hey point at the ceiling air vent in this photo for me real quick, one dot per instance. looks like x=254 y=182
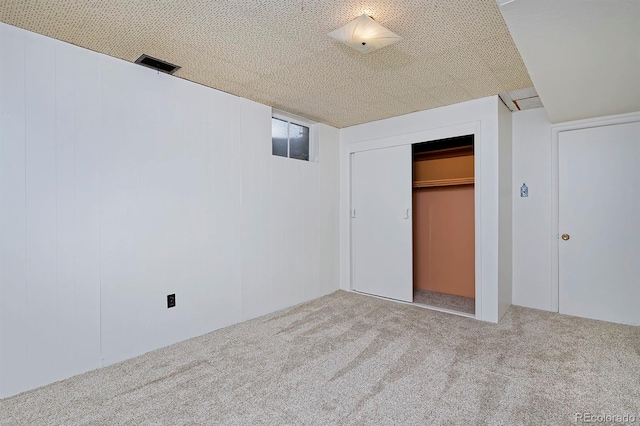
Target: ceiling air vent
x=521 y=99
x=157 y=64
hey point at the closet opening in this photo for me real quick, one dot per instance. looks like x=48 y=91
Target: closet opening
x=444 y=224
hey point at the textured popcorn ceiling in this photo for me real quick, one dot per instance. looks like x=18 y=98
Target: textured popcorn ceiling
x=277 y=52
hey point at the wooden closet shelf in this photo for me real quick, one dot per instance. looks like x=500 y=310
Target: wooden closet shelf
x=442 y=182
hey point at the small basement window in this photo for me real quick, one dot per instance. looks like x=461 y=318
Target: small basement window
x=289 y=139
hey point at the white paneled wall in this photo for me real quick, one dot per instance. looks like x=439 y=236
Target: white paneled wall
x=532 y=215
x=118 y=186
x=505 y=201
x=13 y=218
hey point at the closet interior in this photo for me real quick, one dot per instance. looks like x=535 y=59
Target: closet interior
x=444 y=224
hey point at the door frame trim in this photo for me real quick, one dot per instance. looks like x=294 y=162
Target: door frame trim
x=470 y=128
x=556 y=129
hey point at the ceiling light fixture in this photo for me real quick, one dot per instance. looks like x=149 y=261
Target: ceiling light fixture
x=365 y=35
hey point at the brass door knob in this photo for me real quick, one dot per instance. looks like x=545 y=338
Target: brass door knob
x=565 y=237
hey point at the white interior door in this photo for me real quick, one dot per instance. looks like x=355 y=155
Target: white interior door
x=599 y=207
x=381 y=222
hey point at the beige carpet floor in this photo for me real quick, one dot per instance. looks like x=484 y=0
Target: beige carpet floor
x=447 y=301
x=353 y=359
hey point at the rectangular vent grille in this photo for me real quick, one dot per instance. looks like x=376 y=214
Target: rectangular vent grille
x=157 y=64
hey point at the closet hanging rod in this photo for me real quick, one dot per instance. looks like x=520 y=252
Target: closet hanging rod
x=443 y=182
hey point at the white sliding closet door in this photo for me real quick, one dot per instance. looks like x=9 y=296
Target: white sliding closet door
x=381 y=222
x=599 y=195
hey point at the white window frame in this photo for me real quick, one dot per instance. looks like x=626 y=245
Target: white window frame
x=313 y=130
